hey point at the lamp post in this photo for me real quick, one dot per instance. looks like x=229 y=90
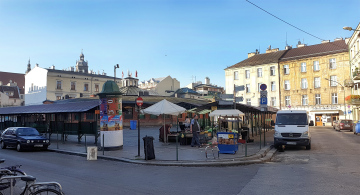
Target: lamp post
x=344 y=93
x=115 y=67
x=349 y=28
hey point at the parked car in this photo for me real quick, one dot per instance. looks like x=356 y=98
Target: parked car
x=23 y=138
x=335 y=123
x=344 y=125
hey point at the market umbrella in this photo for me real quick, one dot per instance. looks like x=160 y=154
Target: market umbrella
x=164 y=107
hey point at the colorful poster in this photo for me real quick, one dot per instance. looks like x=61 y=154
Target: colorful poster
x=111 y=114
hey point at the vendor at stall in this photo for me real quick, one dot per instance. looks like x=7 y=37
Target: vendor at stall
x=161 y=131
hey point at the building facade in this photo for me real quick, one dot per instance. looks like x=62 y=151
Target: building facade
x=354 y=53
x=314 y=78
x=50 y=84
x=164 y=86
x=250 y=73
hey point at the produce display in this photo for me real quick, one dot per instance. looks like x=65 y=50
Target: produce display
x=227 y=141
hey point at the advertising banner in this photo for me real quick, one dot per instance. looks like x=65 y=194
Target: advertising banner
x=111 y=118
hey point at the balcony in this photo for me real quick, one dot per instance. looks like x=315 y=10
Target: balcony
x=353 y=99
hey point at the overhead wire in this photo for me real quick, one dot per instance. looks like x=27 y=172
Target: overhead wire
x=286 y=22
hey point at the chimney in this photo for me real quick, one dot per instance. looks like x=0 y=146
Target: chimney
x=269 y=50
x=288 y=47
x=253 y=53
x=207 y=81
x=300 y=45
x=338 y=39
x=325 y=41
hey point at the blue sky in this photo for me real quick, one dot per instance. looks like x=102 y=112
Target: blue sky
x=181 y=38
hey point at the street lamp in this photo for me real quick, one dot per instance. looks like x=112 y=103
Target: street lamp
x=344 y=92
x=115 y=67
x=349 y=28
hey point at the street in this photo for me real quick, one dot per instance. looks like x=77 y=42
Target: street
x=330 y=167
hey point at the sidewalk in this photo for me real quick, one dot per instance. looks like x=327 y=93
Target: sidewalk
x=165 y=154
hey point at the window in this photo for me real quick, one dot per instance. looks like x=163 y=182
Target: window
x=303 y=67
x=259 y=72
x=286 y=69
x=236 y=75
x=153 y=116
x=316 y=66
x=317 y=99
x=248 y=101
x=273 y=101
x=273 y=86
x=86 y=87
x=304 y=84
x=304 y=99
x=333 y=81
x=332 y=64
x=58 y=97
x=72 y=85
x=58 y=84
x=247 y=88
x=247 y=74
x=316 y=82
x=128 y=113
x=334 y=98
x=259 y=87
x=96 y=87
x=287 y=85
x=287 y=100
x=141 y=116
x=272 y=71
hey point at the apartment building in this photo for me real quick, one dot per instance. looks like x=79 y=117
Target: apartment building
x=257 y=69
x=314 y=78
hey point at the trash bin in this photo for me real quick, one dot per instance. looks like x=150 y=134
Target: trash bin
x=149 y=147
x=133 y=124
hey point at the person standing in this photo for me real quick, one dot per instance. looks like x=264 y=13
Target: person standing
x=195 y=129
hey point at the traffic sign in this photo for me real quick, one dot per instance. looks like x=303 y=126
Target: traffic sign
x=263 y=101
x=263 y=94
x=139 y=101
x=263 y=87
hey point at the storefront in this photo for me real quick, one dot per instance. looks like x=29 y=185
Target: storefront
x=324 y=117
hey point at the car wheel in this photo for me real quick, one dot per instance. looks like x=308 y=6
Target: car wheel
x=18 y=147
x=3 y=146
x=308 y=147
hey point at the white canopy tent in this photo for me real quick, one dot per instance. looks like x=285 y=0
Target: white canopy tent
x=164 y=107
x=228 y=113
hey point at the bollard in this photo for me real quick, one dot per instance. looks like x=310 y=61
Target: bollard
x=57 y=139
x=85 y=144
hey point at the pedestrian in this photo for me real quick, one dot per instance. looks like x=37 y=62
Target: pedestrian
x=195 y=129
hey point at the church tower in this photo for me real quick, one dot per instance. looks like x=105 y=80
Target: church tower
x=28 y=67
x=81 y=65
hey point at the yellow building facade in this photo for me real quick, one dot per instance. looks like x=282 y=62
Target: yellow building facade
x=314 y=78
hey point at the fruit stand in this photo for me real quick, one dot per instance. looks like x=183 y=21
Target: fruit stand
x=227 y=142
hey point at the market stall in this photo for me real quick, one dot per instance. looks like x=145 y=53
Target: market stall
x=227 y=140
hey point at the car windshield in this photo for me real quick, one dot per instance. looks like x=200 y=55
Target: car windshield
x=27 y=132
x=291 y=119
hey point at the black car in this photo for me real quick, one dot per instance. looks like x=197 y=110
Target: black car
x=23 y=138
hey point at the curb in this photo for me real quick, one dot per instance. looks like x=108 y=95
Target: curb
x=264 y=155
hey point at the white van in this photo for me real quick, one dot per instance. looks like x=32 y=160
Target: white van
x=292 y=128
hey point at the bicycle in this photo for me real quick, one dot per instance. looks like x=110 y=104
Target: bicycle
x=31 y=188
x=15 y=168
